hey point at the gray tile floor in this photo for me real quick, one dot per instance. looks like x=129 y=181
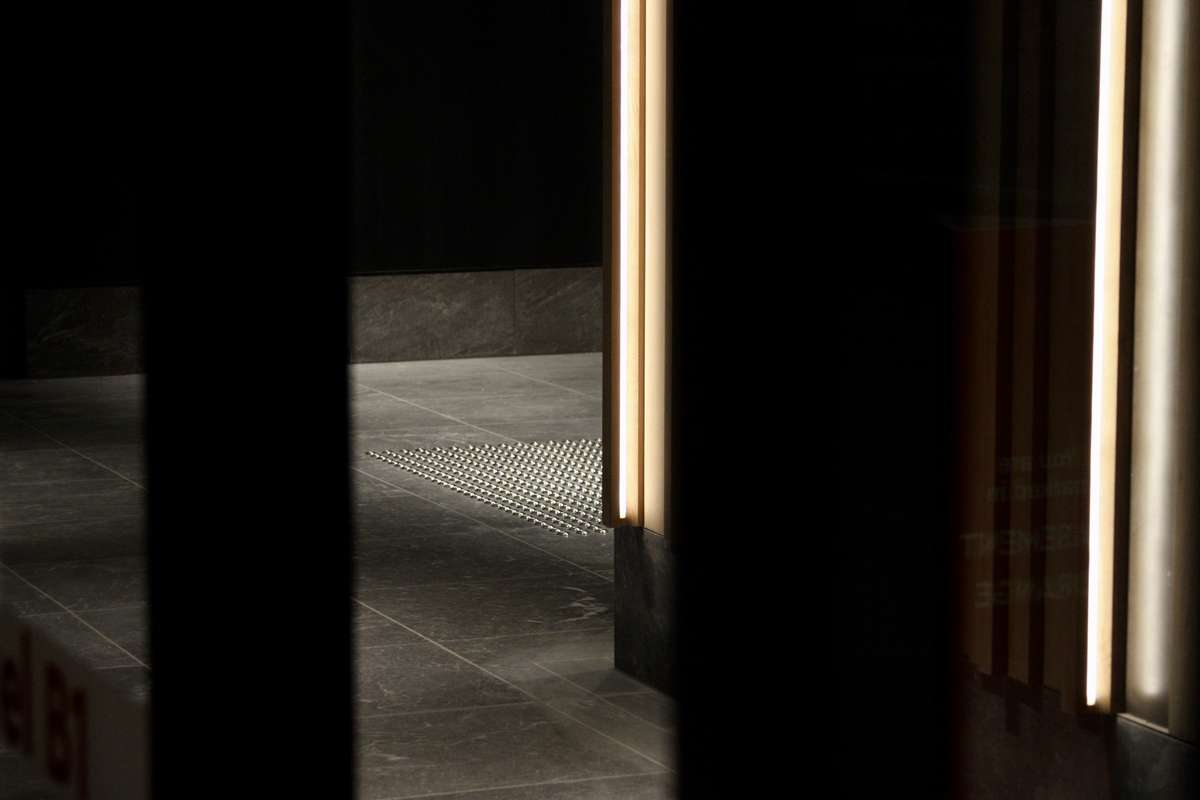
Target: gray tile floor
x=484 y=645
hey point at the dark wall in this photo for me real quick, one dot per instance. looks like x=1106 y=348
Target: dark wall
x=77 y=132
x=478 y=134
x=895 y=633
x=477 y=140
x=834 y=326
x=477 y=145
x=70 y=167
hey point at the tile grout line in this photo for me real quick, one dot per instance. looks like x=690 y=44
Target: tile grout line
x=509 y=683
x=120 y=666
x=516 y=316
x=441 y=646
x=534 y=633
x=549 y=383
x=564 y=782
x=602 y=698
x=446 y=641
x=439 y=413
x=628 y=747
x=138 y=604
x=361 y=587
x=60 y=443
x=412 y=712
x=72 y=613
x=486 y=525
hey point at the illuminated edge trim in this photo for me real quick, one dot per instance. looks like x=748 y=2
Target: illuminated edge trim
x=1103 y=413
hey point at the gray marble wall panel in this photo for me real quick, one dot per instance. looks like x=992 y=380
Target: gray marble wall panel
x=410 y=317
x=1153 y=765
x=644 y=612
x=464 y=314
x=424 y=316
x=88 y=331
x=559 y=310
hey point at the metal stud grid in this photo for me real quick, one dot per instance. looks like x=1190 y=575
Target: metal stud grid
x=553 y=484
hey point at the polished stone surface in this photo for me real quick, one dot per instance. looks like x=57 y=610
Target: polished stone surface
x=525 y=605
x=43 y=466
x=415 y=317
x=126 y=460
x=18 y=436
x=78 y=501
x=86 y=539
x=421 y=676
x=1154 y=766
x=88 y=331
x=83 y=641
x=385 y=412
x=21 y=598
x=372 y=629
x=451 y=434
x=411 y=755
x=634 y=787
x=645 y=613
x=484 y=646
x=597 y=675
x=590 y=643
x=654 y=707
x=518 y=659
x=125 y=627
x=593 y=552
x=618 y=724
x=447 y=558
x=558 y=310
x=440 y=315
x=90 y=585
x=547 y=402
x=549 y=429
x=83 y=432
x=388 y=513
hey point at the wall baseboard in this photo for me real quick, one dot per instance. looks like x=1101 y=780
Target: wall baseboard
x=644 y=614
x=406 y=317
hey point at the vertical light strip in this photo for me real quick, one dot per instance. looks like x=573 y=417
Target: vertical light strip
x=1110 y=141
x=624 y=276
x=652 y=503
x=1161 y=449
x=1157 y=390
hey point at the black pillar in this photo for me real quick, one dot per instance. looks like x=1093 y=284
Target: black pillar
x=243 y=167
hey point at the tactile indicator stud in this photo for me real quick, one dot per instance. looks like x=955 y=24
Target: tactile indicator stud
x=554 y=484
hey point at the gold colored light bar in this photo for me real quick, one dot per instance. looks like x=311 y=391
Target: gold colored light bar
x=638 y=377
x=1102 y=472
x=654 y=268
x=629 y=252
x=1165 y=459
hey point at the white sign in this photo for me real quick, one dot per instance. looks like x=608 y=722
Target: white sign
x=82 y=734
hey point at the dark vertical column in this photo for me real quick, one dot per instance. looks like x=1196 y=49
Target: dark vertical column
x=998 y=678
x=1044 y=210
x=811 y=344
x=245 y=130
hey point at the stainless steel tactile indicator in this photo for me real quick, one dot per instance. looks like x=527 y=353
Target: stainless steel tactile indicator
x=553 y=484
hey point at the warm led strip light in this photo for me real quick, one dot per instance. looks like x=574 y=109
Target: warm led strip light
x=1163 y=455
x=635 y=399
x=1110 y=141
x=625 y=274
